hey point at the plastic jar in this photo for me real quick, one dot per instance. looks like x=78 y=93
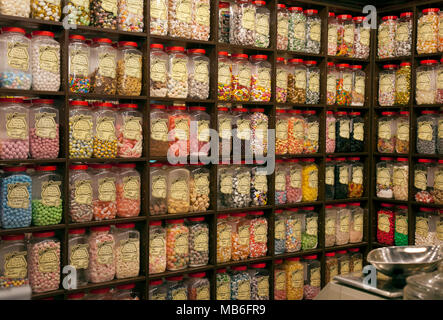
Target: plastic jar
x=427 y=31
x=343 y=262
x=79 y=64
x=180 y=19
x=157 y=247
x=345 y=36
x=239 y=236
x=44 y=129
x=158 y=139
x=356 y=178
x=259 y=131
x=46 y=10
x=260 y=79
x=158 y=71
x=20 y=8
x=78 y=254
x=280 y=231
x=242 y=124
x=125 y=292
x=309 y=236
x=15 y=211
x=79 y=12
x=14 y=126
x=242 y=78
x=400 y=179
x=178 y=189
x=331 y=266
x=177 y=72
x=198 y=242
x=439 y=79
x=403 y=35
x=294 y=223
x=281 y=135
x=14 y=267
x=312 y=82
x=344 y=85
x=157 y=289
x=262 y=23
x=129 y=127
x=224 y=82
x=15 y=68
x=357 y=132
x=281 y=172
x=44 y=262
x=297 y=81
x=225 y=131
x=130 y=16
x=342 y=132
x=296 y=132
x=127 y=251
x=176 y=288
x=312 y=128
x=386 y=37
x=158 y=23
x=128 y=185
x=386 y=132
x=331 y=82
x=199 y=187
x=342 y=224
x=241 y=186
x=259 y=281
x=225 y=187
x=45 y=61
x=47 y=189
x=438 y=183
x=99 y=294
x=362 y=38
x=329 y=179
x=224 y=20
x=313 y=31
x=333 y=26
x=294 y=181
x=200 y=136
x=178 y=131
x=104 y=195
x=259 y=185
x=129 y=68
x=294 y=278
x=282 y=27
x=243 y=19
x=423 y=175
x=199 y=70
x=401 y=225
x=330 y=132
x=356 y=260
x=223 y=285
x=312 y=277
x=297 y=29
x=385 y=224
x=403 y=84
x=358 y=86
x=426 y=82
x=80 y=130
x=224 y=236
x=387 y=85
x=279 y=280
x=177 y=245
x=425 y=229
x=384 y=172
x=104 y=13
x=80 y=194
x=281 y=89
x=105 y=133
x=198 y=286
x=330 y=225
x=309 y=180
x=103 y=66
x=427 y=132
x=402 y=133
x=240 y=283
x=258 y=234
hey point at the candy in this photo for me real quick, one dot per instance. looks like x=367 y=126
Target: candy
x=280 y=183
x=297 y=29
x=294 y=279
x=279 y=283
x=101 y=255
x=330 y=225
x=239 y=236
x=331 y=82
x=281 y=133
x=157 y=248
x=259 y=187
x=344 y=86
x=385 y=225
x=310 y=233
x=224 y=82
x=180 y=19
x=177 y=245
x=43 y=215
x=386 y=37
x=331 y=267
x=310 y=182
x=45 y=59
x=158 y=17
x=345 y=36
x=178 y=190
x=313 y=83
x=355 y=186
x=198 y=74
x=128 y=196
x=361 y=38
x=158 y=138
x=241 y=78
x=198 y=287
x=400 y=180
x=403 y=35
x=223 y=285
x=240 y=284
x=224 y=234
x=329 y=180
x=176 y=289
x=199 y=190
x=262 y=18
x=427 y=133
x=293 y=235
x=401 y=226
x=358 y=86
x=312 y=279
x=80 y=135
x=129 y=73
x=259 y=132
x=427 y=31
x=293 y=183
x=311 y=133
x=426 y=82
x=280 y=232
x=178 y=72
x=332 y=34
x=258 y=236
x=313 y=31
x=224 y=17
x=158 y=81
x=78 y=12
x=330 y=132
x=104 y=13
x=127 y=251
x=21 y=8
x=296 y=125
x=198 y=242
x=259 y=282
x=384 y=179
x=130 y=15
x=342 y=225
x=282 y=27
x=46 y=10
x=297 y=81
x=386 y=133
x=243 y=20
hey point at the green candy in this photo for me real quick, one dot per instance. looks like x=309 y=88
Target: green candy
x=43 y=215
x=308 y=241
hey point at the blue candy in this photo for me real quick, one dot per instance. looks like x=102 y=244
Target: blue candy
x=16 y=209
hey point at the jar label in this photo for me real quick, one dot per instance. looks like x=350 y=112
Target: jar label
x=300 y=79
x=51 y=194
x=440 y=129
x=135 y=7
x=83 y=192
x=202 y=293
x=181 y=244
x=420 y=179
x=243 y=235
x=202 y=15
x=331 y=130
x=358 y=131
x=425 y=30
x=203 y=131
x=383 y=176
x=299 y=129
x=384 y=35
x=384 y=130
x=159 y=9
x=402 y=34
x=179 y=190
x=106 y=128
x=261 y=183
x=181 y=128
x=79 y=257
x=264 y=78
x=348 y=35
x=384 y=223
x=201 y=71
x=133 y=65
x=282 y=26
x=15 y=265
x=360 y=85
x=282 y=79
x=440 y=230
x=280 y=181
x=244 y=290
x=224 y=74
x=226 y=183
x=106 y=64
x=315 y=277
x=347 y=82
x=18 y=55
x=358 y=222
x=343 y=175
x=401 y=225
x=110 y=6
x=344 y=267
x=330 y=226
x=261 y=233
x=223 y=291
x=357 y=175
x=18 y=195
x=387 y=83
x=313 y=131
x=179 y=294
x=131 y=187
x=129 y=250
x=243 y=129
x=45 y=125
x=400 y=177
x=132 y=128
x=314 y=82
x=280 y=230
x=315 y=30
x=344 y=223
x=158 y=70
x=331 y=82
x=313 y=179
x=49 y=59
x=159 y=187
x=300 y=30
x=295 y=225
x=262 y=24
x=179 y=69
x=201 y=181
x=157 y=245
x=79 y=62
x=81 y=127
x=295 y=178
x=280 y=280
x=425 y=130
x=106 y=189
x=263 y=286
x=224 y=235
x=244 y=75
x=48 y=260
x=201 y=240
x=282 y=129
x=403 y=131
x=364 y=37
x=422 y=226
x=261 y=128
x=423 y=80
x=438 y=180
x=159 y=129
x=311 y=226
x=17 y=125
x=329 y=176
x=297 y=279
x=225 y=128
x=248 y=18
x=402 y=84
x=358 y=266
x=332 y=34
x=244 y=183
x=344 y=128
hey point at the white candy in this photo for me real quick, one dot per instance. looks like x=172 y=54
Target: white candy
x=18 y=8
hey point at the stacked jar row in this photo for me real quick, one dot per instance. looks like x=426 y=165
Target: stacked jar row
x=345 y=132
x=105 y=130
x=392 y=224
x=176 y=74
x=195 y=287
x=348 y=36
x=297 y=132
x=344 y=178
x=243 y=80
x=104 y=191
x=189 y=19
x=296 y=182
x=178 y=245
x=428 y=181
x=104 y=67
x=394 y=85
x=111 y=14
x=121 y=292
x=429 y=227
x=395 y=36
x=343 y=262
x=178 y=189
x=29 y=62
x=345 y=85
x=344 y=223
x=393 y=132
x=392 y=178
x=244 y=22
x=29 y=129
x=295 y=229
x=241 y=236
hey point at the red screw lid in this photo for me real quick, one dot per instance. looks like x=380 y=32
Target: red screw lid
x=426 y=209
x=197 y=108
x=404 y=64
x=387 y=205
x=429 y=10
x=404 y=113
x=79 y=103
x=99 y=291
x=223 y=4
x=342 y=252
x=240 y=55
x=331 y=14
x=428 y=112
x=178 y=108
x=406 y=14
x=202 y=51
x=13 y=29
x=296 y=60
x=11 y=100
x=280 y=111
x=223 y=53
x=390 y=66
x=281 y=6
x=256 y=213
x=402 y=159
x=258 y=265
x=156 y=46
x=310 y=12
x=238 y=214
x=298 y=9
x=331 y=64
x=293 y=259
x=197 y=275
x=341 y=113
x=279 y=261
x=239 y=268
x=311 y=257
x=125 y=225
x=307 y=208
x=223 y=270
x=310 y=62
x=330 y=254
x=15 y=169
x=43 y=33
x=46 y=168
x=340 y=205
x=402 y=207
x=280 y=59
x=359 y=19
x=45 y=234
x=128 y=44
x=12 y=237
x=257 y=110
x=388 y=113
x=389 y=18
x=175 y=221
x=101 y=228
x=128 y=105
x=77 y=231
x=155 y=282
x=77 y=295
x=157 y=106
x=292 y=209
x=356 y=66
x=196 y=219
x=77 y=37
x=102 y=40
x=354 y=249
x=386 y=158
x=430 y=61
x=343 y=65
x=259 y=57
x=155 y=223
x=344 y=17
x=43 y=101
x=175 y=48
x=354 y=204
x=308 y=160
x=128 y=286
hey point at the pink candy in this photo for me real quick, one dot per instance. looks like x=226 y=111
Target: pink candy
x=44 y=266
x=43 y=148
x=14 y=149
x=101 y=256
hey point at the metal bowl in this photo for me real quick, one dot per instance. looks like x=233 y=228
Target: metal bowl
x=405 y=261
